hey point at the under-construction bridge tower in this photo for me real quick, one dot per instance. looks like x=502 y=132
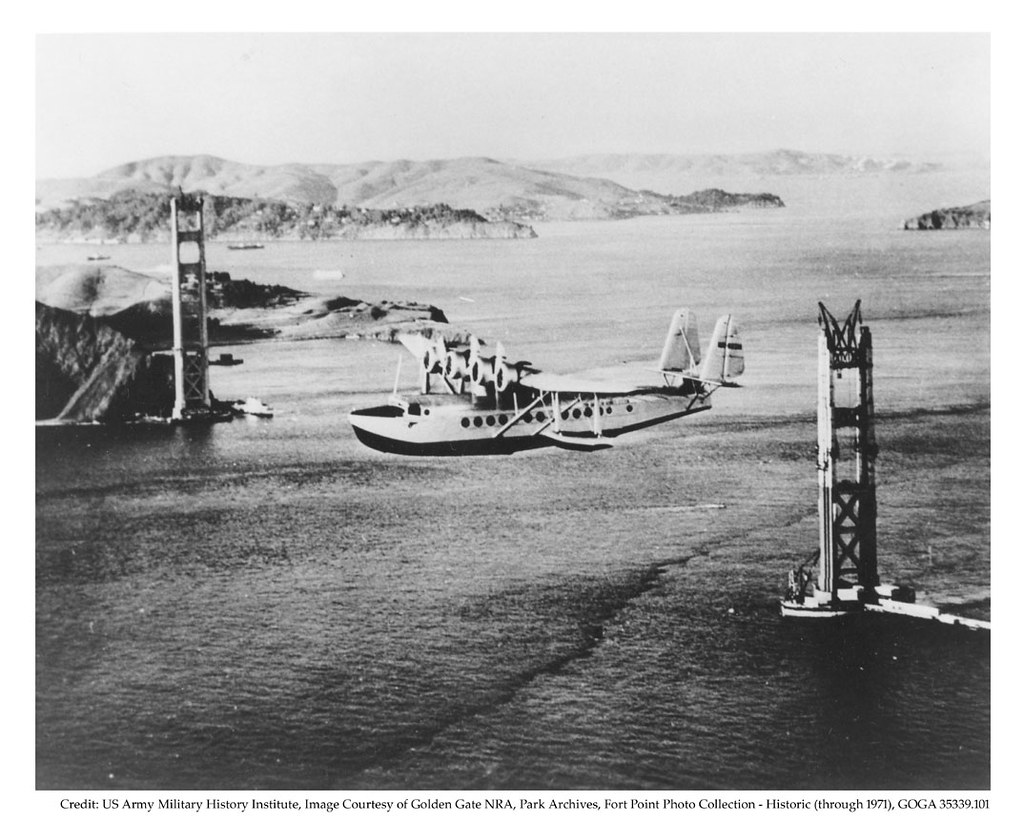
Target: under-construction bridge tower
x=847 y=501
x=847 y=555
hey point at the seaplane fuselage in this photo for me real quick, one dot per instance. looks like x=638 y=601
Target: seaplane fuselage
x=453 y=425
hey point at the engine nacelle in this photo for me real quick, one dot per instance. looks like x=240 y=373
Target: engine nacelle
x=505 y=375
x=456 y=365
x=430 y=362
x=434 y=356
x=482 y=370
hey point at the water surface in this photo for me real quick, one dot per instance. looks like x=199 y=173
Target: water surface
x=268 y=604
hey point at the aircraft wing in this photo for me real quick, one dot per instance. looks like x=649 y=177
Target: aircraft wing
x=570 y=384
x=416 y=344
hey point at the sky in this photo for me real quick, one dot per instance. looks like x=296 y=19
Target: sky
x=104 y=99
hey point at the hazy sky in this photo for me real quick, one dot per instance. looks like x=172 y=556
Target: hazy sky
x=106 y=99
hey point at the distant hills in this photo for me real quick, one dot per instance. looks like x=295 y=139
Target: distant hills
x=779 y=161
x=682 y=172
x=586 y=187
x=486 y=186
x=605 y=186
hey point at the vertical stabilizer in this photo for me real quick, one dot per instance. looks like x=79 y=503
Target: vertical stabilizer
x=723 y=361
x=682 y=345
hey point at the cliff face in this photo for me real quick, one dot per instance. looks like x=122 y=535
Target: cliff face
x=85 y=370
x=978 y=215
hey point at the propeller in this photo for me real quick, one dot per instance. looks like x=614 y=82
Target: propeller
x=434 y=355
x=503 y=375
x=481 y=369
x=456 y=365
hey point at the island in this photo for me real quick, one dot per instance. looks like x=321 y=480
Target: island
x=978 y=215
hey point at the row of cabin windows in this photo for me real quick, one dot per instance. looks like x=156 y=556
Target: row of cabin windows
x=540 y=416
x=501 y=419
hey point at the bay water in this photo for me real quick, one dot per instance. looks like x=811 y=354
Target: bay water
x=267 y=604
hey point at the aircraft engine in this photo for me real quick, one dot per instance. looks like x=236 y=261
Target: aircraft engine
x=434 y=357
x=505 y=375
x=482 y=370
x=456 y=365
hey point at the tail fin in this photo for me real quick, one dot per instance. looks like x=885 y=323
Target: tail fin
x=723 y=361
x=682 y=345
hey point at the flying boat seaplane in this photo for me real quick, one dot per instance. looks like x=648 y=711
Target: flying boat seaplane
x=471 y=403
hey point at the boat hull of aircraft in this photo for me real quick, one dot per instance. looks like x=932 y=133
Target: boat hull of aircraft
x=420 y=428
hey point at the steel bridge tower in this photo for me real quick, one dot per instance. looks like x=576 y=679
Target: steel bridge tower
x=188 y=300
x=847 y=503
x=847 y=556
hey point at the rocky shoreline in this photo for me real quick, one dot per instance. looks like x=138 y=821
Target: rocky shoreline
x=978 y=215
x=103 y=332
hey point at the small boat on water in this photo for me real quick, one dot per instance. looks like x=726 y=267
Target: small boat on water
x=226 y=359
x=97 y=257
x=244 y=246
x=253 y=407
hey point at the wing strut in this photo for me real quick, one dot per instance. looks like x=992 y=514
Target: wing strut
x=398 y=375
x=520 y=415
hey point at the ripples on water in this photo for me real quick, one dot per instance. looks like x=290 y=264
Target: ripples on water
x=266 y=604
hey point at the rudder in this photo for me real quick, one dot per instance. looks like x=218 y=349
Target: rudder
x=723 y=361
x=682 y=345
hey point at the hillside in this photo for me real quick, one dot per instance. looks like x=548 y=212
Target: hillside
x=497 y=191
x=138 y=306
x=133 y=216
x=478 y=184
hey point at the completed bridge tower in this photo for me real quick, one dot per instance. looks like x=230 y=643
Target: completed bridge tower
x=188 y=299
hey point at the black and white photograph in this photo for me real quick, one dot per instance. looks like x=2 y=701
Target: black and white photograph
x=538 y=421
